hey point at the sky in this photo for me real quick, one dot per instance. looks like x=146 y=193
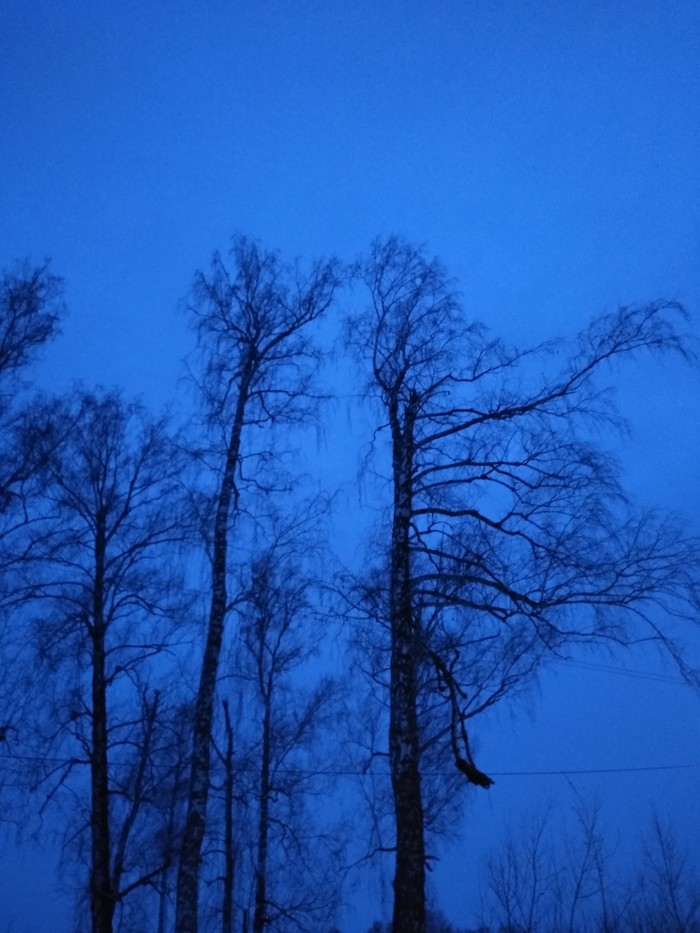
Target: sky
x=548 y=152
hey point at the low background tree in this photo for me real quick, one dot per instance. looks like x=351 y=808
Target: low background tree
x=665 y=895
x=548 y=875
x=435 y=922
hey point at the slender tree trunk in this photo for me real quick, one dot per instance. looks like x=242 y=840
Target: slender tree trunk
x=101 y=895
x=164 y=882
x=186 y=920
x=150 y=713
x=162 y=900
x=404 y=745
x=263 y=826
x=229 y=854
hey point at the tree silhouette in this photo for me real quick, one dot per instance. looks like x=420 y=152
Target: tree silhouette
x=30 y=309
x=105 y=592
x=255 y=371
x=509 y=534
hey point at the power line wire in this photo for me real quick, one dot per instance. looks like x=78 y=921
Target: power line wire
x=359 y=772
x=568 y=771
x=625 y=672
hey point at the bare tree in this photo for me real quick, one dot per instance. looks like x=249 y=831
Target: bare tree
x=251 y=321
x=104 y=581
x=30 y=309
x=546 y=877
x=665 y=896
x=509 y=534
x=524 y=880
x=299 y=889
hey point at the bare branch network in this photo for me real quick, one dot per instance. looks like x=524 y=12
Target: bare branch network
x=177 y=595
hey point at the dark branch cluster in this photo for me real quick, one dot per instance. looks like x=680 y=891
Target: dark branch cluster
x=135 y=560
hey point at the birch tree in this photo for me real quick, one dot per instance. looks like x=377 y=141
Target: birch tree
x=546 y=876
x=30 y=309
x=508 y=529
x=666 y=893
x=102 y=574
x=299 y=889
x=251 y=314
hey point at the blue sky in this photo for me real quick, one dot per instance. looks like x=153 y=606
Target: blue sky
x=548 y=151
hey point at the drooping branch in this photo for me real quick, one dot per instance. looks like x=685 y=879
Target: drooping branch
x=458 y=730
x=509 y=530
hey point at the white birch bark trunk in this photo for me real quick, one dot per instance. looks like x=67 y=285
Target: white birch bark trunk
x=187 y=904
x=101 y=894
x=404 y=748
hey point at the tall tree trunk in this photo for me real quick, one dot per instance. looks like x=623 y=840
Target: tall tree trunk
x=164 y=881
x=263 y=825
x=229 y=853
x=186 y=920
x=101 y=895
x=404 y=744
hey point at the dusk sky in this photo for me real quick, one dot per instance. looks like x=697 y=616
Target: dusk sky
x=547 y=150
